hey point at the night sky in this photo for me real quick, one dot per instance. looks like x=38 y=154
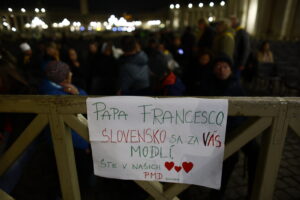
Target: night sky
x=102 y=6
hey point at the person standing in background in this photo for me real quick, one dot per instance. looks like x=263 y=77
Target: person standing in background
x=242 y=46
x=224 y=40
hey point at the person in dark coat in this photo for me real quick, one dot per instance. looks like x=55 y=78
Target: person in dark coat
x=76 y=67
x=105 y=72
x=225 y=83
x=134 y=76
x=242 y=46
x=206 y=38
x=200 y=74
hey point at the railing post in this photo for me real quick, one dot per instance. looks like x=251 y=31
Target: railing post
x=270 y=155
x=64 y=154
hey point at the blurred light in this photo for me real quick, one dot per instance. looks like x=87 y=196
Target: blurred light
x=23 y=10
x=82 y=28
x=10 y=9
x=210 y=19
x=5 y=24
x=177 y=6
x=44 y=26
x=222 y=3
x=55 y=25
x=43 y=10
x=72 y=28
x=172 y=6
x=201 y=5
x=154 y=22
x=27 y=25
x=13 y=29
x=180 y=51
x=211 y=4
x=114 y=29
x=37 y=22
x=36 y=10
x=190 y=5
x=65 y=22
x=11 y=15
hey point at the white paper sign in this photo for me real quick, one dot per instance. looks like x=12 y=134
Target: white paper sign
x=177 y=140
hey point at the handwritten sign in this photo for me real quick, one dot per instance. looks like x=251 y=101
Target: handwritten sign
x=177 y=140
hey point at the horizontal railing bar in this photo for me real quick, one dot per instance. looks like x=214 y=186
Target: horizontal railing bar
x=245 y=106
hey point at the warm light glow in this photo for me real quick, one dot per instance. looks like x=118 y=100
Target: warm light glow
x=172 y=6
x=65 y=22
x=23 y=10
x=43 y=10
x=251 y=22
x=36 y=10
x=222 y=3
x=210 y=19
x=201 y=5
x=27 y=25
x=177 y=6
x=211 y=4
x=190 y=5
x=10 y=9
x=13 y=29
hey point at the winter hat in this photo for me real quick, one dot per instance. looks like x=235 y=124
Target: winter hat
x=223 y=58
x=57 y=71
x=25 y=46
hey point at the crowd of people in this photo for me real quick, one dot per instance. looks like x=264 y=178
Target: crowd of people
x=211 y=61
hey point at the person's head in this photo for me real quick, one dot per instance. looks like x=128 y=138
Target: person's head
x=222 y=67
x=107 y=49
x=265 y=46
x=93 y=47
x=222 y=25
x=72 y=54
x=129 y=45
x=58 y=72
x=26 y=49
x=202 y=23
x=204 y=58
x=52 y=50
x=176 y=41
x=234 y=21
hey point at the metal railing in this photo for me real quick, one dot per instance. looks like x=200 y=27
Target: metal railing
x=269 y=117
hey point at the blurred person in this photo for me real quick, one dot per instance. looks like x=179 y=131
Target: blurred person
x=224 y=83
x=207 y=34
x=105 y=73
x=188 y=40
x=264 y=54
x=58 y=81
x=28 y=65
x=91 y=62
x=171 y=85
x=134 y=71
x=200 y=74
x=76 y=68
x=51 y=54
x=158 y=63
x=178 y=53
x=242 y=46
x=224 y=40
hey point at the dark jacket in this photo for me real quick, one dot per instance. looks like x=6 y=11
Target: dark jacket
x=172 y=86
x=51 y=88
x=207 y=38
x=228 y=88
x=134 y=73
x=242 y=47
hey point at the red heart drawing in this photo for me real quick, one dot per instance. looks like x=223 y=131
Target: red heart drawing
x=187 y=166
x=169 y=165
x=177 y=168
